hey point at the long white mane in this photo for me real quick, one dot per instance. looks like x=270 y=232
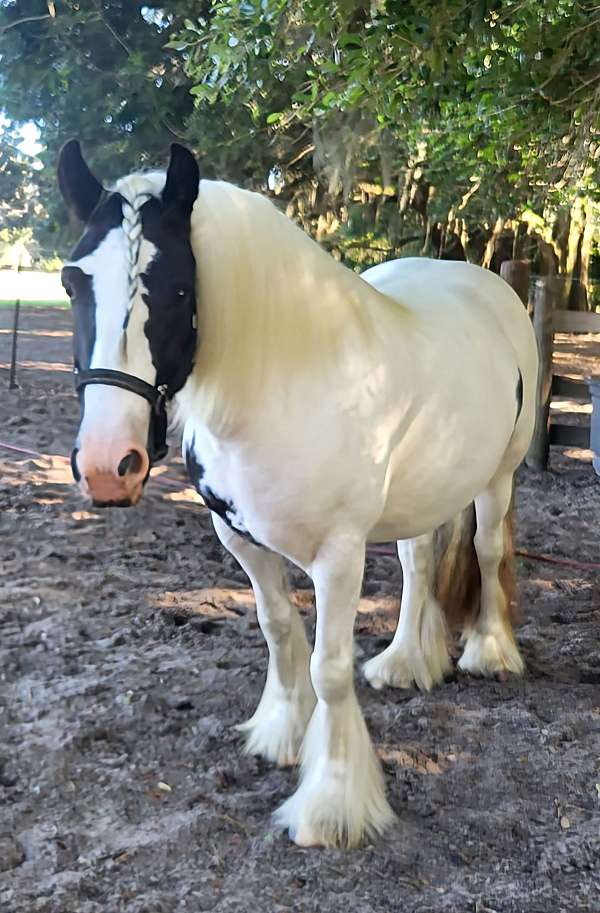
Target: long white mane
x=271 y=305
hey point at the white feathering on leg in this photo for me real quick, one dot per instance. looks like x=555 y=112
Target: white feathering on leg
x=340 y=800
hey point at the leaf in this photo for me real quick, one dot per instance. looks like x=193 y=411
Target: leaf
x=350 y=40
x=274 y=117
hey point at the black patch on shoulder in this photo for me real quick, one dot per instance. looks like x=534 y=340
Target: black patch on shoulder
x=170 y=282
x=194 y=467
x=225 y=509
x=519 y=395
x=218 y=505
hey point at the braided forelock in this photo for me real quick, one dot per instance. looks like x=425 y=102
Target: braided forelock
x=132 y=226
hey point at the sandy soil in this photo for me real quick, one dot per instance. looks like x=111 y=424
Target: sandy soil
x=129 y=648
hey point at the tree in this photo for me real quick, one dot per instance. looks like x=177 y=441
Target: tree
x=16 y=184
x=385 y=127
x=98 y=71
x=467 y=113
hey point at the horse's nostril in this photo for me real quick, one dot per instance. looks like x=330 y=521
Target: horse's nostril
x=132 y=462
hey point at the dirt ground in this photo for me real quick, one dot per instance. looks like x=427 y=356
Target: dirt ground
x=129 y=649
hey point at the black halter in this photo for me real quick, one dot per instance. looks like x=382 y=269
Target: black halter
x=156 y=396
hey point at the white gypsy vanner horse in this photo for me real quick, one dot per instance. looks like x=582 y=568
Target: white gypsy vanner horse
x=321 y=410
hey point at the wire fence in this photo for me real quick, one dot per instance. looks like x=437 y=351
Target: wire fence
x=577 y=295
x=32 y=286
x=27 y=286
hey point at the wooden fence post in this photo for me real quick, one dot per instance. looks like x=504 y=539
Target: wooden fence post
x=516 y=273
x=545 y=296
x=12 y=379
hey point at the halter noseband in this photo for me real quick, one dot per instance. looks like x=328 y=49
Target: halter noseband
x=156 y=396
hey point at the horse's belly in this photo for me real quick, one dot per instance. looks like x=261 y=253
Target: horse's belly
x=431 y=477
x=404 y=518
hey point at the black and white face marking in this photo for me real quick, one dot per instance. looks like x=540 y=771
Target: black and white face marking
x=167 y=271
x=79 y=285
x=170 y=295
x=131 y=280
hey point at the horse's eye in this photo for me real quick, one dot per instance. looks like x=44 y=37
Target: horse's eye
x=182 y=293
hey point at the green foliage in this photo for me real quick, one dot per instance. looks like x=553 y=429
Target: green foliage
x=98 y=71
x=16 y=189
x=503 y=95
x=470 y=110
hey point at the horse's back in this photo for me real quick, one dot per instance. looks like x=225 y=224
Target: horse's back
x=454 y=293
x=421 y=283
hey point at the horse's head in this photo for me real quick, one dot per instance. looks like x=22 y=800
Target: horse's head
x=131 y=280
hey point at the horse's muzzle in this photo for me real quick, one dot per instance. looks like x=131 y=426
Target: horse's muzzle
x=110 y=472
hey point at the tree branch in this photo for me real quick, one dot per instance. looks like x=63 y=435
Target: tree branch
x=300 y=155
x=472 y=190
x=173 y=130
x=11 y=25
x=584 y=85
x=115 y=35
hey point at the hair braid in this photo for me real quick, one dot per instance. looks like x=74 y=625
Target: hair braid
x=132 y=226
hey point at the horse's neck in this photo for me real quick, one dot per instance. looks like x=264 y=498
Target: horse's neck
x=245 y=246
x=271 y=304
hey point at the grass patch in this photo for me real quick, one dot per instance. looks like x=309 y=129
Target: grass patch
x=33 y=288
x=36 y=303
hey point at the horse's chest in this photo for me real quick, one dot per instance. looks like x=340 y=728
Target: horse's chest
x=219 y=489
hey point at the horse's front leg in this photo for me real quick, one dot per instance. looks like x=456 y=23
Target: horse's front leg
x=341 y=794
x=277 y=727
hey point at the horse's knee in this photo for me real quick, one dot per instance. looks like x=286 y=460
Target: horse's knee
x=489 y=545
x=416 y=555
x=275 y=623
x=331 y=676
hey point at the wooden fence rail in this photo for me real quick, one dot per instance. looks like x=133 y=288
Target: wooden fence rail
x=547 y=320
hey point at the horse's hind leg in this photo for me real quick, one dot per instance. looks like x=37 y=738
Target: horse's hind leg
x=490 y=644
x=419 y=651
x=277 y=727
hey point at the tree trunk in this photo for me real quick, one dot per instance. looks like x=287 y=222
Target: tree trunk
x=518 y=240
x=571 y=295
x=558 y=236
x=427 y=239
x=548 y=260
x=490 y=247
x=579 y=294
x=516 y=273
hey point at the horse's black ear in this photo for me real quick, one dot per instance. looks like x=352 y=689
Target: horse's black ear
x=80 y=189
x=183 y=178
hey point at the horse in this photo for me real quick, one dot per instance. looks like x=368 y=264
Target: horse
x=320 y=411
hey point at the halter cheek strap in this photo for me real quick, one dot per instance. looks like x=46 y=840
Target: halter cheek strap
x=156 y=396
